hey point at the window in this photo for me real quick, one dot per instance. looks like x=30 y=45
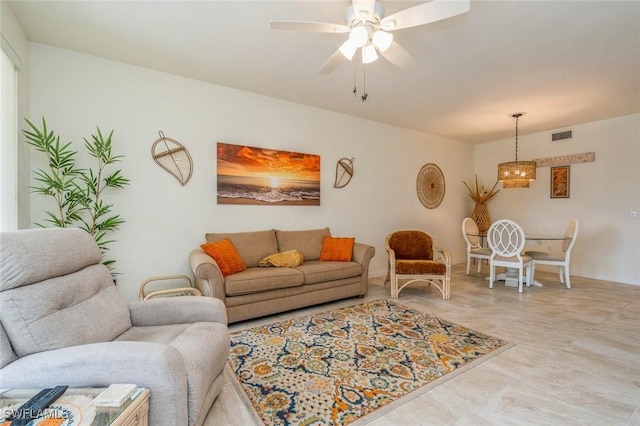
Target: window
x=8 y=145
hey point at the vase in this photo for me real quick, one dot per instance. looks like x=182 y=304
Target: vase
x=480 y=216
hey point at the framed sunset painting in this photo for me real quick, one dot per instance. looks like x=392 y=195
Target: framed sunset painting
x=261 y=176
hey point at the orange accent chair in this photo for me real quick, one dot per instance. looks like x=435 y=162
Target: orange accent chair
x=414 y=256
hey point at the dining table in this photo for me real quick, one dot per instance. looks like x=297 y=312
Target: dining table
x=510 y=275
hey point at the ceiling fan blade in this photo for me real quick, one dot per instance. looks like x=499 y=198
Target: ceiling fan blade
x=332 y=63
x=364 y=9
x=399 y=56
x=425 y=13
x=313 y=27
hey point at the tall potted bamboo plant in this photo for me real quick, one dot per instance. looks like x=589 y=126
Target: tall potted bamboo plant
x=78 y=193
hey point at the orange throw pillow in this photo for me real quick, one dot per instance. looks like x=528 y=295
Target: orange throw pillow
x=337 y=249
x=226 y=256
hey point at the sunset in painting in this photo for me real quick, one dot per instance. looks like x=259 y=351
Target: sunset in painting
x=250 y=175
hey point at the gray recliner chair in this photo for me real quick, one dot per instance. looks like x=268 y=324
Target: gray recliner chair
x=63 y=321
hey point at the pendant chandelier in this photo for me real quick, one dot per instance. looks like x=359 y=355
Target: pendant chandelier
x=517 y=174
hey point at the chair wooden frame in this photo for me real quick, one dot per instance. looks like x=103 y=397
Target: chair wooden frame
x=471 y=236
x=187 y=290
x=441 y=281
x=506 y=240
x=561 y=260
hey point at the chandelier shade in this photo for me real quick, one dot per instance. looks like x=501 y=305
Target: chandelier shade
x=517 y=174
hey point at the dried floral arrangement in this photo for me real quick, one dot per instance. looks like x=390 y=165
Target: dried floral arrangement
x=479 y=195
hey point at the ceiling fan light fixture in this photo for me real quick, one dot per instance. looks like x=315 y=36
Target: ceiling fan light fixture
x=369 y=54
x=382 y=40
x=348 y=49
x=359 y=35
x=365 y=18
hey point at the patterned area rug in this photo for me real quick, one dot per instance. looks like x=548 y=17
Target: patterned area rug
x=342 y=366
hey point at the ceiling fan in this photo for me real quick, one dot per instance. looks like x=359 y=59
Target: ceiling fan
x=370 y=30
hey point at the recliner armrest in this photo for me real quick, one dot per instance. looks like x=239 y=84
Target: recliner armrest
x=150 y=365
x=177 y=310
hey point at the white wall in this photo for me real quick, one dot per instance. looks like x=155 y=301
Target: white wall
x=602 y=195
x=165 y=221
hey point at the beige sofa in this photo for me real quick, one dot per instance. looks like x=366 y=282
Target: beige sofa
x=260 y=291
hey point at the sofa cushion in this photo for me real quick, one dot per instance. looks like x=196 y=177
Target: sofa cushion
x=337 y=248
x=225 y=255
x=308 y=242
x=252 y=246
x=410 y=244
x=319 y=271
x=412 y=267
x=257 y=280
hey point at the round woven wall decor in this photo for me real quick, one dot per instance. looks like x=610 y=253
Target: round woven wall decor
x=430 y=186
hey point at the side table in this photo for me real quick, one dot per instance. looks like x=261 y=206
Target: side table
x=133 y=412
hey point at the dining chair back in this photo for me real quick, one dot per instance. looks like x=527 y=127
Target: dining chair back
x=506 y=240
x=571 y=233
x=559 y=259
x=471 y=236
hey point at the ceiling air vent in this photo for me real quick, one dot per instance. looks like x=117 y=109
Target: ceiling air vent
x=561 y=135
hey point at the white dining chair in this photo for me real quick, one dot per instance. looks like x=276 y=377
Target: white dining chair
x=559 y=259
x=471 y=236
x=506 y=240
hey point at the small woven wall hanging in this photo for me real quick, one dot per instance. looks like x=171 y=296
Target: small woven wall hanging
x=344 y=172
x=430 y=186
x=172 y=156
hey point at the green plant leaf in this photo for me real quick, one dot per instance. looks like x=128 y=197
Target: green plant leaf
x=77 y=191
x=116 y=180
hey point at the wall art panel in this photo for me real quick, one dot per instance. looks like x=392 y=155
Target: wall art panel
x=261 y=176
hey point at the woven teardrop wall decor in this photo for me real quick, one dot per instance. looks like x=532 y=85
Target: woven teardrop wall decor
x=173 y=157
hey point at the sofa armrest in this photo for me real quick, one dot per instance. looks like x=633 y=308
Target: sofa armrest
x=363 y=253
x=208 y=277
x=157 y=367
x=177 y=310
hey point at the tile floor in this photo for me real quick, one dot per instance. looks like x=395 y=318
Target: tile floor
x=576 y=359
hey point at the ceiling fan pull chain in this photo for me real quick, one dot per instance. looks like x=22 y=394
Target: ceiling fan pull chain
x=364 y=83
x=355 y=86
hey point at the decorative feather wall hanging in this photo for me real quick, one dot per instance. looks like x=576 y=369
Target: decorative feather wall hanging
x=344 y=172
x=172 y=156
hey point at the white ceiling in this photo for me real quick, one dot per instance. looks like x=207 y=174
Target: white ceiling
x=562 y=62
